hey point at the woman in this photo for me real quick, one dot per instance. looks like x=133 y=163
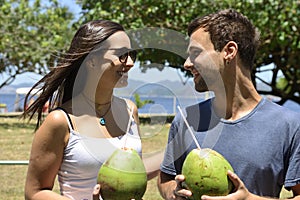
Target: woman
x=87 y=122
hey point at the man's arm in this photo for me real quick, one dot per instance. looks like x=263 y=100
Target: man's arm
x=166 y=185
x=296 y=191
x=170 y=187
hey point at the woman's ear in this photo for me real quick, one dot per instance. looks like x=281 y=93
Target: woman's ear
x=230 y=49
x=90 y=61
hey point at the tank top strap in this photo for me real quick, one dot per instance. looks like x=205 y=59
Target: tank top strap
x=70 y=124
x=128 y=106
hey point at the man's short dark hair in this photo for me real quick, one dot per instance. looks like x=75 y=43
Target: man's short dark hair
x=230 y=25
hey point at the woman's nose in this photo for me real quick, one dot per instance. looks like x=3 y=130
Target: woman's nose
x=129 y=62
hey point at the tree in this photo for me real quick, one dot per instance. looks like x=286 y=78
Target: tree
x=32 y=35
x=277 y=20
x=141 y=103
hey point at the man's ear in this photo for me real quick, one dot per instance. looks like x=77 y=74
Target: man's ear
x=230 y=49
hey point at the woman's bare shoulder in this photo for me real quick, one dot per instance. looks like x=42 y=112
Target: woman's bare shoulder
x=57 y=118
x=55 y=125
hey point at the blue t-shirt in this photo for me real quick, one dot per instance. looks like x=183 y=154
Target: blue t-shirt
x=263 y=147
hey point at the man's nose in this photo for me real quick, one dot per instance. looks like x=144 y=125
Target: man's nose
x=188 y=64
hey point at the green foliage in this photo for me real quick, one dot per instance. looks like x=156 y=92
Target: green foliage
x=277 y=20
x=141 y=103
x=30 y=31
x=283 y=85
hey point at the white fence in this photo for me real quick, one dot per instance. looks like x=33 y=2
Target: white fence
x=14 y=162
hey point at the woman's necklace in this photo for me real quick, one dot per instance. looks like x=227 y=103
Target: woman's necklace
x=102 y=120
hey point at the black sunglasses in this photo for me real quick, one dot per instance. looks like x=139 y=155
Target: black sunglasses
x=123 y=54
x=123 y=57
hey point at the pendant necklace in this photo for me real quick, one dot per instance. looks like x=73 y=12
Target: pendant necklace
x=102 y=120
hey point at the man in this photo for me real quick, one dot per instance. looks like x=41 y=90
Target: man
x=259 y=138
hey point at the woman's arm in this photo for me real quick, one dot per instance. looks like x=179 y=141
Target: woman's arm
x=46 y=157
x=152 y=163
x=135 y=113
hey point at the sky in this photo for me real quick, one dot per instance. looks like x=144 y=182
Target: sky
x=135 y=74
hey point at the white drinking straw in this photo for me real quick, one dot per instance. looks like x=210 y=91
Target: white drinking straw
x=128 y=125
x=190 y=130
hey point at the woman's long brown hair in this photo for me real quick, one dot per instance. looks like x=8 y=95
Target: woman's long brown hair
x=57 y=86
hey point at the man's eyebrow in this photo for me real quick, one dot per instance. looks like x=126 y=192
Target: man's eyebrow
x=192 y=47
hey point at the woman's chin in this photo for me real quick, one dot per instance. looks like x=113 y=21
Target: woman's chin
x=121 y=83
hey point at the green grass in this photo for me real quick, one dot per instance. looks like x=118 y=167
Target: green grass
x=15 y=142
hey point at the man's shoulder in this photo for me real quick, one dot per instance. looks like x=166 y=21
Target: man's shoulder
x=275 y=111
x=279 y=109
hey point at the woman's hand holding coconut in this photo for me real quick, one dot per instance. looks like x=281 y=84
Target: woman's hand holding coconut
x=96 y=192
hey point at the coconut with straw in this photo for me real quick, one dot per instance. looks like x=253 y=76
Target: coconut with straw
x=123 y=176
x=205 y=170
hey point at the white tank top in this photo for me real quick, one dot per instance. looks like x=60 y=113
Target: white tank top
x=83 y=157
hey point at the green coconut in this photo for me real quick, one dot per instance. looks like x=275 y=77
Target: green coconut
x=123 y=176
x=205 y=172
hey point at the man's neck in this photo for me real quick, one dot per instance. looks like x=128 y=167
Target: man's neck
x=236 y=101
